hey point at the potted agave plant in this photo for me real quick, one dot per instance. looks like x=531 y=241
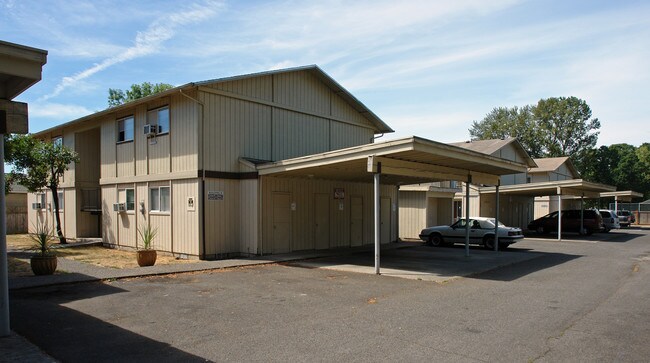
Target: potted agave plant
x=147 y=255
x=44 y=262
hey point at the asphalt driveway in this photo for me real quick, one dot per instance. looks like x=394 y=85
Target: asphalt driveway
x=570 y=302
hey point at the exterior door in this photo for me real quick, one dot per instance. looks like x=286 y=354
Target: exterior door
x=385 y=220
x=281 y=222
x=356 y=221
x=321 y=221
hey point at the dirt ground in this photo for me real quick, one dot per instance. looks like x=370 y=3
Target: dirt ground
x=96 y=255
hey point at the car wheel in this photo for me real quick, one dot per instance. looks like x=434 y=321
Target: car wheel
x=435 y=240
x=488 y=242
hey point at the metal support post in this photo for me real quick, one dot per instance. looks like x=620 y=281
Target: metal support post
x=377 y=221
x=469 y=180
x=582 y=214
x=496 y=221
x=4 y=272
x=559 y=217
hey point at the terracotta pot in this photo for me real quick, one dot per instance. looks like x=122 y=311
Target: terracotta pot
x=43 y=265
x=146 y=257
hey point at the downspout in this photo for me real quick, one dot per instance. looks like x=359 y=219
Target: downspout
x=201 y=169
x=373 y=138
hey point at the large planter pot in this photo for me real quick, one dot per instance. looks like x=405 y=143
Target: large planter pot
x=43 y=265
x=146 y=257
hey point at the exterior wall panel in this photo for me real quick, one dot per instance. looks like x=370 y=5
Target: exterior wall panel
x=302 y=192
x=222 y=217
x=412 y=213
x=302 y=90
x=185 y=218
x=109 y=218
x=249 y=220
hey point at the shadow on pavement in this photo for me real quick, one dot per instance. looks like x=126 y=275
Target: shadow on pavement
x=71 y=336
x=442 y=264
x=616 y=236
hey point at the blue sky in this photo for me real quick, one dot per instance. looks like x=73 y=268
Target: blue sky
x=427 y=68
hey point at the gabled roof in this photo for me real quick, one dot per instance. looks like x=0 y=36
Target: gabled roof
x=491 y=146
x=380 y=125
x=545 y=165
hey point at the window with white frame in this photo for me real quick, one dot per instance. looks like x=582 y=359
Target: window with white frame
x=40 y=198
x=127 y=196
x=57 y=141
x=125 y=129
x=159 y=199
x=159 y=117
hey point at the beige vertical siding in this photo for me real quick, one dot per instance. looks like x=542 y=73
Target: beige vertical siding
x=162 y=223
x=345 y=135
x=302 y=90
x=141 y=197
x=159 y=157
x=185 y=221
x=296 y=134
x=302 y=192
x=412 y=213
x=126 y=221
x=258 y=87
x=125 y=160
x=222 y=218
x=108 y=154
x=184 y=134
x=281 y=116
x=109 y=218
x=234 y=129
x=69 y=215
x=342 y=109
x=249 y=220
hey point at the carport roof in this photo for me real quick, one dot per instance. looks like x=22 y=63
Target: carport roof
x=574 y=187
x=409 y=160
x=623 y=195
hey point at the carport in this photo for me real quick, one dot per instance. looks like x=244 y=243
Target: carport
x=623 y=196
x=404 y=161
x=573 y=187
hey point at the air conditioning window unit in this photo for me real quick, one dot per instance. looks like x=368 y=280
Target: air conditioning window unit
x=37 y=206
x=119 y=207
x=150 y=130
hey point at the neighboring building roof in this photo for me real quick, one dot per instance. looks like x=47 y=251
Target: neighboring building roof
x=380 y=125
x=491 y=146
x=572 y=187
x=545 y=165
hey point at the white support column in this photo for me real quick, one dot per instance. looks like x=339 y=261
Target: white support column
x=469 y=180
x=496 y=220
x=582 y=214
x=377 y=219
x=615 y=203
x=559 y=215
x=4 y=272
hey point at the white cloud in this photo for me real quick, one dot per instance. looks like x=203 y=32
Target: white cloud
x=57 y=111
x=146 y=42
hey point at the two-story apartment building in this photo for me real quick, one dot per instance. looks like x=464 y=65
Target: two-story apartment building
x=255 y=164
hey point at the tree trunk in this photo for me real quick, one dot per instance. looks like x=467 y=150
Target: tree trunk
x=55 y=199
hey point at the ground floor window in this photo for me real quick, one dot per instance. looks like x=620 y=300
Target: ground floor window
x=159 y=199
x=127 y=196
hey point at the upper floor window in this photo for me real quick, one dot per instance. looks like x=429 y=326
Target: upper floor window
x=159 y=117
x=57 y=141
x=125 y=129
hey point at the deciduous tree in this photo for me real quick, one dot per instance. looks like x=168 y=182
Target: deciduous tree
x=38 y=165
x=117 y=97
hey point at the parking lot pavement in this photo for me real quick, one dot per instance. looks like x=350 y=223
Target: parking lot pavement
x=439 y=264
x=574 y=302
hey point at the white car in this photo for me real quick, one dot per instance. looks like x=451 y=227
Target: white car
x=481 y=233
x=610 y=220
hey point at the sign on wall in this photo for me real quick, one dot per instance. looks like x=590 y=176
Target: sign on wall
x=339 y=193
x=215 y=195
x=190 y=204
